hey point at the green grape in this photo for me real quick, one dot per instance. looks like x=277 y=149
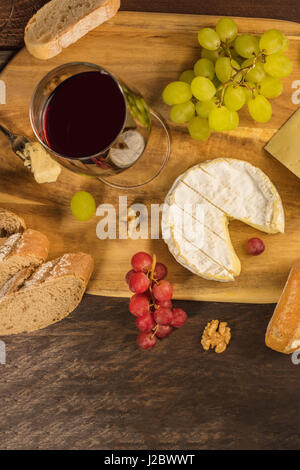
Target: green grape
x=235 y=56
x=260 y=109
x=234 y=121
x=212 y=55
x=209 y=39
x=183 y=112
x=203 y=108
x=250 y=91
x=271 y=87
x=204 y=68
x=224 y=70
x=187 y=76
x=199 y=128
x=203 y=89
x=257 y=73
x=278 y=65
x=271 y=41
x=246 y=45
x=234 y=97
x=83 y=206
x=220 y=119
x=226 y=29
x=177 y=93
x=286 y=44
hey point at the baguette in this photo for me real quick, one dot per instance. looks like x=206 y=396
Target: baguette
x=50 y=294
x=60 y=23
x=22 y=250
x=283 y=331
x=10 y=223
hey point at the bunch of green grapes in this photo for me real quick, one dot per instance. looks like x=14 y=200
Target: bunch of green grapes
x=233 y=71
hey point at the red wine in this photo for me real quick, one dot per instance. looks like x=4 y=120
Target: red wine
x=84 y=115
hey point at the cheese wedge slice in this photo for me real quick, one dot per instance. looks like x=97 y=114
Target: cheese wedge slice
x=284 y=145
x=201 y=203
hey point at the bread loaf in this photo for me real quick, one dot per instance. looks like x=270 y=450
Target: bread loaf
x=283 y=332
x=60 y=23
x=22 y=250
x=52 y=292
x=10 y=223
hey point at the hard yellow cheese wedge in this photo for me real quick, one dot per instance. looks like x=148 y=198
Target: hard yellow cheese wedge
x=284 y=145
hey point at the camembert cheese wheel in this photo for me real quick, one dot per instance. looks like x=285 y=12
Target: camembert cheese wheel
x=201 y=203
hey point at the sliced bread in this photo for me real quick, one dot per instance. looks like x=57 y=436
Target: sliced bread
x=52 y=292
x=22 y=250
x=60 y=23
x=10 y=223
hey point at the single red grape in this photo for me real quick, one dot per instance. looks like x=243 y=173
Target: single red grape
x=139 y=283
x=179 y=317
x=141 y=262
x=163 y=331
x=164 y=303
x=129 y=274
x=255 y=246
x=139 y=305
x=160 y=271
x=145 y=322
x=163 y=290
x=163 y=316
x=146 y=340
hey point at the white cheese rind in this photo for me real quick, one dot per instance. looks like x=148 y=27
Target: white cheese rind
x=223 y=189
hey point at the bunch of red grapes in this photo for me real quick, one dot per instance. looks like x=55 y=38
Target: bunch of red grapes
x=151 y=302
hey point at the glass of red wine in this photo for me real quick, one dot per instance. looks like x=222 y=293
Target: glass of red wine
x=94 y=124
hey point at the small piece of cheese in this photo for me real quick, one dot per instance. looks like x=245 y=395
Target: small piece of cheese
x=44 y=168
x=284 y=145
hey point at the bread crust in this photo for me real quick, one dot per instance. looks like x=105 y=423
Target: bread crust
x=283 y=331
x=4 y=215
x=34 y=243
x=70 y=265
x=70 y=35
x=80 y=265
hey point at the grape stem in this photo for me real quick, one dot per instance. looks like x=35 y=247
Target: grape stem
x=243 y=71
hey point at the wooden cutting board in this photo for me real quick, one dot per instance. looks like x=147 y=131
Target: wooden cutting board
x=148 y=50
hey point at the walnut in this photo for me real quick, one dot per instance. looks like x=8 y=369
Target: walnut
x=216 y=335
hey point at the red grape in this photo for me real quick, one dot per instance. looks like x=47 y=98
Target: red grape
x=163 y=331
x=163 y=290
x=179 y=317
x=139 y=305
x=163 y=316
x=255 y=246
x=128 y=275
x=146 y=340
x=141 y=262
x=164 y=303
x=145 y=322
x=160 y=271
x=139 y=283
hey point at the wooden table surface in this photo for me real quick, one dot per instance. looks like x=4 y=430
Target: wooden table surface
x=83 y=383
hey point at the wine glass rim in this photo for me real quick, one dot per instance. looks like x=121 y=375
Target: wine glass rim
x=45 y=78
x=6 y=21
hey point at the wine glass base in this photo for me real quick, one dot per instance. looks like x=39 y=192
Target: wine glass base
x=150 y=164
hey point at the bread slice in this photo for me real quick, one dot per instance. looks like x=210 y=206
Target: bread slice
x=10 y=223
x=60 y=23
x=49 y=295
x=22 y=250
x=283 y=332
